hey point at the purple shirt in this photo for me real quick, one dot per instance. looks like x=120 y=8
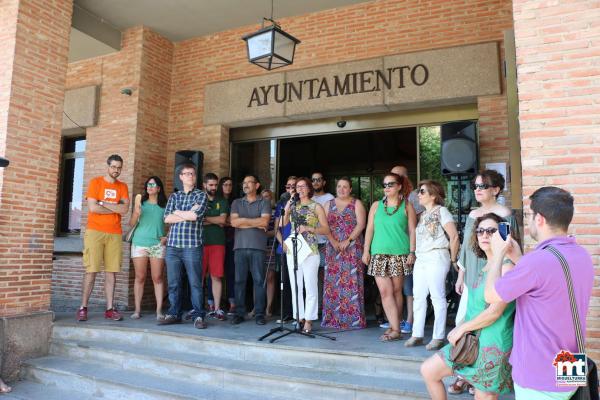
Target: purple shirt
x=543 y=321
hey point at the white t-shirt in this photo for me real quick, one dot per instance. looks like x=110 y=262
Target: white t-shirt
x=322 y=200
x=430 y=231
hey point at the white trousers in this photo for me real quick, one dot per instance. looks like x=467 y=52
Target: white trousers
x=308 y=273
x=429 y=277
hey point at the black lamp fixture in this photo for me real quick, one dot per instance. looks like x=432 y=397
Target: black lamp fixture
x=270 y=47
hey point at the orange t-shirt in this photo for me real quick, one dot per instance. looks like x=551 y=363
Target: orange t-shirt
x=113 y=193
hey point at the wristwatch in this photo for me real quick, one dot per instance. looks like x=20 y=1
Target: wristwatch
x=100 y=203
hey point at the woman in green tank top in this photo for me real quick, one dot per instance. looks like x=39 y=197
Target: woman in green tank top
x=148 y=242
x=389 y=250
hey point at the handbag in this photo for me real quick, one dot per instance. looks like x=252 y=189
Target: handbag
x=590 y=391
x=466 y=350
x=129 y=235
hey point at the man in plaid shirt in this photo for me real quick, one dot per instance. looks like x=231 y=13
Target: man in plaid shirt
x=185 y=211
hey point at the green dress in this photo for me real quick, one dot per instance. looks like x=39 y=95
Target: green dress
x=491 y=372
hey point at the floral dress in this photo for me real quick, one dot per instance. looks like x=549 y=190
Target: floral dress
x=491 y=372
x=343 y=286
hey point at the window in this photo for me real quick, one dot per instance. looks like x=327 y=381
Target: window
x=71 y=186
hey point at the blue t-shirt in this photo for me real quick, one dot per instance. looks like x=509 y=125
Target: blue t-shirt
x=286 y=230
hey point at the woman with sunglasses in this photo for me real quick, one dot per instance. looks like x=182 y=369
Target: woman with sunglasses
x=490 y=374
x=308 y=217
x=487 y=185
x=389 y=251
x=148 y=242
x=437 y=244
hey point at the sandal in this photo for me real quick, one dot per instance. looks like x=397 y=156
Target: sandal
x=136 y=315
x=307 y=327
x=391 y=337
x=459 y=386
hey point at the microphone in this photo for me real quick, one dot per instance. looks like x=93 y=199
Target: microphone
x=285 y=197
x=295 y=198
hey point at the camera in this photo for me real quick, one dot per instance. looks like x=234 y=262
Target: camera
x=341 y=123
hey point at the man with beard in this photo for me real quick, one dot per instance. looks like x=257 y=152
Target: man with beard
x=107 y=199
x=250 y=217
x=214 y=242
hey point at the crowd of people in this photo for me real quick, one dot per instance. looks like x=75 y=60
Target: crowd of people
x=407 y=241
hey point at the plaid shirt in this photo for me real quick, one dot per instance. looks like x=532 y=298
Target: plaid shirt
x=186 y=233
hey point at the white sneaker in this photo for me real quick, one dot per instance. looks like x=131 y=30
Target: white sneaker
x=385 y=325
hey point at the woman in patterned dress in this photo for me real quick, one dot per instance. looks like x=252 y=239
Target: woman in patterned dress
x=490 y=374
x=343 y=291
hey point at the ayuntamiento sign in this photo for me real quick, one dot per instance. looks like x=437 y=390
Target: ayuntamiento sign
x=406 y=81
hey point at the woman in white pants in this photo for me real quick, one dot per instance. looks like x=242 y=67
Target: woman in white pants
x=308 y=218
x=437 y=248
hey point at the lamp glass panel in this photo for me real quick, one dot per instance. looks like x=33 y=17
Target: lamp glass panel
x=284 y=46
x=260 y=44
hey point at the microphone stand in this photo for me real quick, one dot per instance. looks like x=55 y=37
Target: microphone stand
x=287 y=331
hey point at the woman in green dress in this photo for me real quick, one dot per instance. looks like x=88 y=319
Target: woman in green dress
x=490 y=374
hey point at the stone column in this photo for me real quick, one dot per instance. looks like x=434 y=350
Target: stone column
x=34 y=45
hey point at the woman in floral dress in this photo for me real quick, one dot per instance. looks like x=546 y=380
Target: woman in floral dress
x=343 y=287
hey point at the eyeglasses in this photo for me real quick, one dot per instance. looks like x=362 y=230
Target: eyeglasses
x=301 y=187
x=488 y=231
x=187 y=173
x=317 y=179
x=388 y=184
x=481 y=186
x=290 y=186
x=151 y=185
x=422 y=191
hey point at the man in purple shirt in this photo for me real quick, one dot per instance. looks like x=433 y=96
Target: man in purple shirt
x=543 y=322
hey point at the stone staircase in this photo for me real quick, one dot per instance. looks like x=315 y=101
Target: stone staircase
x=115 y=362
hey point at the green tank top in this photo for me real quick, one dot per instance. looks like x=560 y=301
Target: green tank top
x=390 y=231
x=151 y=226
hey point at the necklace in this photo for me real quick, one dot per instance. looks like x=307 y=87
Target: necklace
x=385 y=206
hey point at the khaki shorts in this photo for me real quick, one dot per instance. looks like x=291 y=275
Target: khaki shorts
x=102 y=249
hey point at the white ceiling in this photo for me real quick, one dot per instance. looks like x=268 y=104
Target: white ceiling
x=184 y=19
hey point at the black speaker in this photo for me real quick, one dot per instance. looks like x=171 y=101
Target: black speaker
x=183 y=156
x=459 y=152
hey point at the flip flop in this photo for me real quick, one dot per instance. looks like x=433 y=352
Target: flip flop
x=391 y=337
x=458 y=387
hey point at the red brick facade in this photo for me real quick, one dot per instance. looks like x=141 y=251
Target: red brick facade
x=558 y=64
x=32 y=78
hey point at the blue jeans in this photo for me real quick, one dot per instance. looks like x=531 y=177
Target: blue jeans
x=254 y=261
x=189 y=260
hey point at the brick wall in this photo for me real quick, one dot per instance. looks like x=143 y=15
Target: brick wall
x=33 y=59
x=558 y=64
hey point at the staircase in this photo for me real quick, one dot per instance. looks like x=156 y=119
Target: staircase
x=117 y=362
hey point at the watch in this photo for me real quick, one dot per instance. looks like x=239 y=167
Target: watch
x=100 y=203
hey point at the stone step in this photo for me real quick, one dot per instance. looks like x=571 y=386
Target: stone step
x=104 y=381
x=352 y=362
x=236 y=374
x=29 y=390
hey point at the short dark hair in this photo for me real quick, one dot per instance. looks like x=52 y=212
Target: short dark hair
x=210 y=177
x=345 y=178
x=311 y=190
x=251 y=176
x=114 y=157
x=435 y=189
x=474 y=243
x=186 y=165
x=555 y=204
x=492 y=178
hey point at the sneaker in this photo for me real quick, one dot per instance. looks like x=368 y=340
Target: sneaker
x=231 y=311
x=211 y=310
x=238 y=319
x=406 y=327
x=220 y=315
x=82 y=314
x=286 y=320
x=188 y=315
x=385 y=325
x=199 y=323
x=169 y=319
x=260 y=320
x=113 y=314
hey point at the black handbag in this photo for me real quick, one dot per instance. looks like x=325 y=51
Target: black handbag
x=590 y=391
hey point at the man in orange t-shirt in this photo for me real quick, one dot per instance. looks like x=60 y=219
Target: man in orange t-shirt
x=107 y=199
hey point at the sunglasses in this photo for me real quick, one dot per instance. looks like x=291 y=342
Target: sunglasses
x=488 y=231
x=481 y=186
x=317 y=179
x=290 y=186
x=151 y=185
x=388 y=184
x=422 y=191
